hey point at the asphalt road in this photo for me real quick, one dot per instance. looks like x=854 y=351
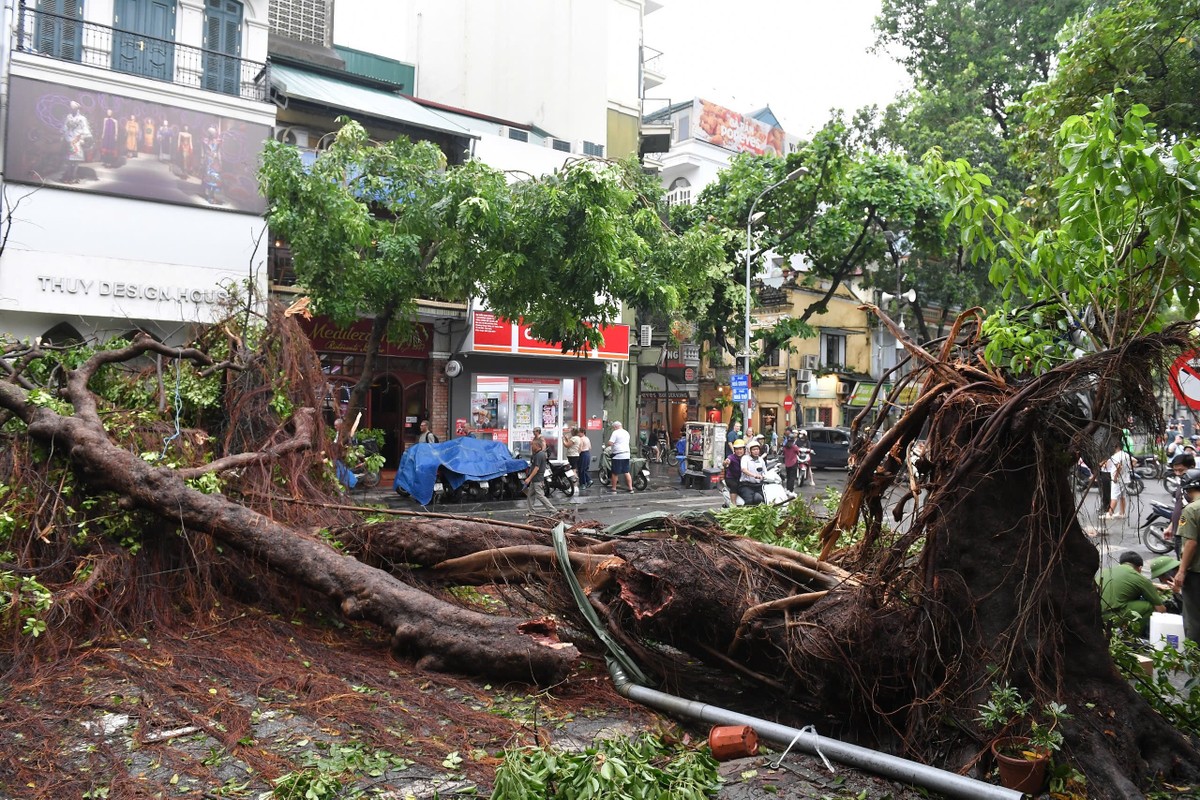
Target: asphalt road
x=1118 y=535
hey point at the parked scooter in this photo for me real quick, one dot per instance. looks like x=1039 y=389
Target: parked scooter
x=560 y=477
x=1154 y=532
x=773 y=490
x=637 y=468
x=1147 y=467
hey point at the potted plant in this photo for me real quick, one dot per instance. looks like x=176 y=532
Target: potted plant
x=1027 y=737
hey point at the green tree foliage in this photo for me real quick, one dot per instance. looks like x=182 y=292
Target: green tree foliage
x=985 y=52
x=374 y=227
x=1147 y=47
x=837 y=216
x=1123 y=244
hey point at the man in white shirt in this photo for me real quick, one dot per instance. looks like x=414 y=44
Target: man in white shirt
x=618 y=444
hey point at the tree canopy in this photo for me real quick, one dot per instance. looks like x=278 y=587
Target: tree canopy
x=837 y=215
x=1123 y=243
x=375 y=227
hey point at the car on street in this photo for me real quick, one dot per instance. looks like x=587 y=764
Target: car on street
x=830 y=446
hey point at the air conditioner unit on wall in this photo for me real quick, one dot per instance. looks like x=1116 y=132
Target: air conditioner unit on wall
x=843 y=388
x=812 y=361
x=561 y=145
x=293 y=135
x=803 y=388
x=804 y=375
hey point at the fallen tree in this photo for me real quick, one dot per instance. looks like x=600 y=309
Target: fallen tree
x=896 y=636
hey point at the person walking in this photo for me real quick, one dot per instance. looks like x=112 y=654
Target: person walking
x=585 y=458
x=618 y=444
x=535 y=482
x=1118 y=466
x=426 y=436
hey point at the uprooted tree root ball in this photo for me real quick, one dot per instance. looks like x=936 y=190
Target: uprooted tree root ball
x=121 y=521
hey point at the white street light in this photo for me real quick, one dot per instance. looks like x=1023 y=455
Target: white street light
x=750 y=220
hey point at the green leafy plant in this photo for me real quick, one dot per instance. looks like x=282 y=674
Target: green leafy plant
x=615 y=768
x=1010 y=714
x=1179 y=705
x=23 y=599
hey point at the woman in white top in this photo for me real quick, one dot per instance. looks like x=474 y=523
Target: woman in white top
x=754 y=469
x=570 y=443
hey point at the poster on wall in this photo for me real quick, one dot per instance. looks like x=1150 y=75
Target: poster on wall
x=524 y=415
x=96 y=141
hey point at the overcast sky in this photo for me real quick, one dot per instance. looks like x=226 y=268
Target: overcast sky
x=801 y=57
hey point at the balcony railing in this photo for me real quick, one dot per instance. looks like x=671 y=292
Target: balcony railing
x=71 y=39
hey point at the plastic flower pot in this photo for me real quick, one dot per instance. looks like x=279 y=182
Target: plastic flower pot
x=1017 y=769
x=728 y=742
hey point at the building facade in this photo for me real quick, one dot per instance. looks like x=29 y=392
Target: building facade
x=520 y=86
x=132 y=133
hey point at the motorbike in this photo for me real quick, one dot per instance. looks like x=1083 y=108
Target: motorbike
x=460 y=469
x=1153 y=531
x=1147 y=467
x=560 y=477
x=637 y=468
x=774 y=492
x=1081 y=477
x=804 y=466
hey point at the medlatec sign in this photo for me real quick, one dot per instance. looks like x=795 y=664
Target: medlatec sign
x=326 y=337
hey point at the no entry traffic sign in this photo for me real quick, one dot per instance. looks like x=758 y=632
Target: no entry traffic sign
x=1184 y=377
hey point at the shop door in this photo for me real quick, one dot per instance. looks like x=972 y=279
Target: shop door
x=144 y=39
x=387 y=413
x=537 y=405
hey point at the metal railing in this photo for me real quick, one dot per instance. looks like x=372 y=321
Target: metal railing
x=71 y=39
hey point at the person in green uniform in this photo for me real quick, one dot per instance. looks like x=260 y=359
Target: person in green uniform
x=1187 y=580
x=1126 y=592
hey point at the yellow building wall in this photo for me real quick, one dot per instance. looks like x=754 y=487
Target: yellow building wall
x=844 y=315
x=623 y=132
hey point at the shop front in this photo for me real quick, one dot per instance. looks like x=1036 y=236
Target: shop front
x=506 y=383
x=669 y=393
x=399 y=395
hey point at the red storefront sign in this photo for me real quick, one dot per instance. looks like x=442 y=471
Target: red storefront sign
x=491 y=334
x=326 y=337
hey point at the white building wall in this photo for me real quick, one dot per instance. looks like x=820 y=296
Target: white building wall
x=534 y=62
x=624 y=56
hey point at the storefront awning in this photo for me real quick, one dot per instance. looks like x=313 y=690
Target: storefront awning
x=297 y=84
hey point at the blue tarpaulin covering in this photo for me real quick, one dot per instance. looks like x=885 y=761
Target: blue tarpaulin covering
x=464 y=459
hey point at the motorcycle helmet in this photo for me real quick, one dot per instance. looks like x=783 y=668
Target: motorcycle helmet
x=1190 y=484
x=739 y=444
x=1162 y=565
x=756 y=445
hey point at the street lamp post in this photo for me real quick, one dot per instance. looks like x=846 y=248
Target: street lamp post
x=750 y=220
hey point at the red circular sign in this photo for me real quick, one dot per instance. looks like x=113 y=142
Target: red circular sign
x=1184 y=377
x=788 y=403
x=689 y=375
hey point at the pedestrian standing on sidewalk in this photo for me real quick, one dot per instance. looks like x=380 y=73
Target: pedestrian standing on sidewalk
x=791 y=460
x=427 y=436
x=585 y=458
x=1187 y=580
x=620 y=453
x=1119 y=466
x=535 y=482
x=571 y=449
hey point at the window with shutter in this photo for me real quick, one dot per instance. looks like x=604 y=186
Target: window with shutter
x=223 y=46
x=58 y=32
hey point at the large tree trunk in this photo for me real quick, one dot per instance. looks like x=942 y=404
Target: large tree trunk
x=438 y=634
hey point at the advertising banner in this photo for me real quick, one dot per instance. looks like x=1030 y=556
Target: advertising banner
x=326 y=337
x=726 y=128
x=95 y=141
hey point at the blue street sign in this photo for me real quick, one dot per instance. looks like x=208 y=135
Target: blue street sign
x=739 y=385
